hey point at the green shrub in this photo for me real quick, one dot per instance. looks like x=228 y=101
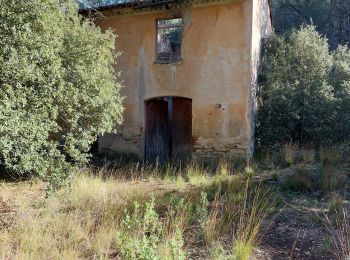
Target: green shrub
x=202 y=209
x=144 y=236
x=304 y=91
x=141 y=233
x=59 y=90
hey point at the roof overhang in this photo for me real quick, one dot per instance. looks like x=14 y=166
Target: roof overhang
x=141 y=6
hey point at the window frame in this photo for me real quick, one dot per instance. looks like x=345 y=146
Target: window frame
x=159 y=61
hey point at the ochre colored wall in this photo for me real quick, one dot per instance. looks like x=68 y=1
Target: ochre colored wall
x=216 y=73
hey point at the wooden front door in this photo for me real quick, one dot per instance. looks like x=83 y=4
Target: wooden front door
x=157 y=132
x=181 y=129
x=168 y=129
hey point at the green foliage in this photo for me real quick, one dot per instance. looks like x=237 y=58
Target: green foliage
x=59 y=90
x=289 y=14
x=143 y=236
x=340 y=80
x=330 y=18
x=176 y=244
x=202 y=209
x=304 y=90
x=141 y=233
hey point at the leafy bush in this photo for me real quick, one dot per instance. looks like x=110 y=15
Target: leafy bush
x=141 y=233
x=143 y=236
x=304 y=91
x=59 y=90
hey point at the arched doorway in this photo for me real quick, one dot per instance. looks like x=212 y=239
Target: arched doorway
x=168 y=129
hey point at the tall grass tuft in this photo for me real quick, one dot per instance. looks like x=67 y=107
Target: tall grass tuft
x=197 y=175
x=289 y=150
x=340 y=234
x=331 y=179
x=252 y=211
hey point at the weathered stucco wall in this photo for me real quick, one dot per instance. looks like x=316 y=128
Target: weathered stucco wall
x=216 y=73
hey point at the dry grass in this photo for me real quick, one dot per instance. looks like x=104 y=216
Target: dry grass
x=77 y=222
x=339 y=231
x=84 y=221
x=253 y=210
x=331 y=178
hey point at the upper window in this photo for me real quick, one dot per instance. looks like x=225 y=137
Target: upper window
x=169 y=36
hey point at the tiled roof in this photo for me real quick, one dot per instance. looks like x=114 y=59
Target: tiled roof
x=124 y=3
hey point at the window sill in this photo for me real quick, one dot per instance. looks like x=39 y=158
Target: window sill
x=177 y=62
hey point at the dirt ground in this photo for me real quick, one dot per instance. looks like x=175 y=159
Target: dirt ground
x=298 y=230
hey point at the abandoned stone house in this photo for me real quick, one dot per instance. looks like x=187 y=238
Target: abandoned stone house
x=189 y=70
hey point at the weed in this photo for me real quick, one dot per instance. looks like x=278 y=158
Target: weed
x=202 y=210
x=340 y=234
x=140 y=234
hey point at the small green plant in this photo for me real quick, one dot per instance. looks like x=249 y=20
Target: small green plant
x=202 y=209
x=141 y=233
x=176 y=244
x=175 y=221
x=326 y=247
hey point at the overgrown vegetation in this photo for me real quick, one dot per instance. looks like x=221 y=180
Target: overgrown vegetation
x=105 y=217
x=304 y=91
x=59 y=90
